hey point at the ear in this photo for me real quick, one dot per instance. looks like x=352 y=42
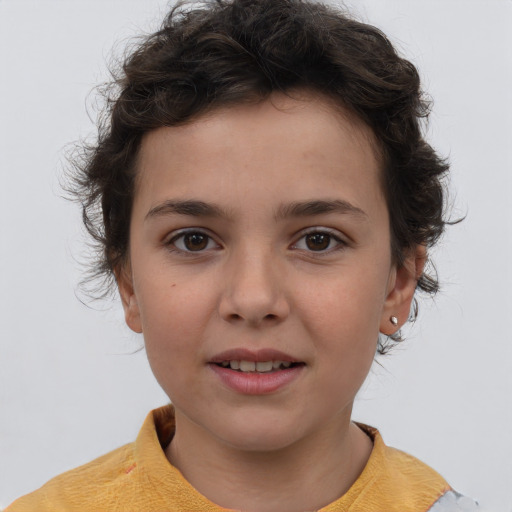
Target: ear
x=124 y=281
x=401 y=288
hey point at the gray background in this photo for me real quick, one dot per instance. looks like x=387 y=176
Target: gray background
x=71 y=387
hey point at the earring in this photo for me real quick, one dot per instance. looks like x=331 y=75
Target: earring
x=393 y=320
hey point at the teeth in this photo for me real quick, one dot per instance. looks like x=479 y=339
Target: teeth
x=247 y=366
x=251 y=366
x=264 y=366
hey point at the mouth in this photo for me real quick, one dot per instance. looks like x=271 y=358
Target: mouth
x=259 y=372
x=244 y=366
x=265 y=360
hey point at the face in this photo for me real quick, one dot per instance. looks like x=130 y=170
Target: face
x=260 y=270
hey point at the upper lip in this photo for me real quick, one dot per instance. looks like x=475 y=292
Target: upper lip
x=244 y=354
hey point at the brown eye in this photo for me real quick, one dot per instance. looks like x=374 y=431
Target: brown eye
x=193 y=241
x=318 y=241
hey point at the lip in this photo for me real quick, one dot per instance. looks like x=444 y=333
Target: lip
x=257 y=356
x=254 y=383
x=249 y=383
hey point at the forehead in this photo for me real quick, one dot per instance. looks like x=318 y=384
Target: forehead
x=306 y=140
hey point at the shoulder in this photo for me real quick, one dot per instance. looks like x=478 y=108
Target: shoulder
x=397 y=470
x=85 y=486
x=136 y=476
x=395 y=481
x=110 y=482
x=421 y=480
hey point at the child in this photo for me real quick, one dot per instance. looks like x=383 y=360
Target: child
x=267 y=205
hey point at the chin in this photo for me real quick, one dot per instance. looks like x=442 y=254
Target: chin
x=269 y=433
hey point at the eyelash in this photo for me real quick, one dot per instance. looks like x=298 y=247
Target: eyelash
x=332 y=237
x=172 y=243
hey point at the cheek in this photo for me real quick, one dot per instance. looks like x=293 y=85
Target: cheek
x=347 y=304
x=172 y=344
x=345 y=343
x=174 y=318
x=342 y=318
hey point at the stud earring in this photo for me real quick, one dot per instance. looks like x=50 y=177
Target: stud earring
x=393 y=320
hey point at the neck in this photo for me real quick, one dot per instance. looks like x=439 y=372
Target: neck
x=304 y=476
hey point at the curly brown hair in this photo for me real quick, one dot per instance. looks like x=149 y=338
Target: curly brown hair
x=232 y=51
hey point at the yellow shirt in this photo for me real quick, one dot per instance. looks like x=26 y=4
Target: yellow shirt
x=138 y=477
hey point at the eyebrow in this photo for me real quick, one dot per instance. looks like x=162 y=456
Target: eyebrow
x=195 y=208
x=190 y=207
x=320 y=207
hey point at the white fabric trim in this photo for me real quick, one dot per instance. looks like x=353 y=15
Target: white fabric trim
x=454 y=502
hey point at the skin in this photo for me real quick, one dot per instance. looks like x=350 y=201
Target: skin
x=257 y=281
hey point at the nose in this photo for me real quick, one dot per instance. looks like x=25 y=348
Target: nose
x=253 y=290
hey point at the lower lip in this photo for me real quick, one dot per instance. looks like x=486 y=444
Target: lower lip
x=253 y=383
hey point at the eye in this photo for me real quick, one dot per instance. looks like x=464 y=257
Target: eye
x=319 y=241
x=193 y=241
